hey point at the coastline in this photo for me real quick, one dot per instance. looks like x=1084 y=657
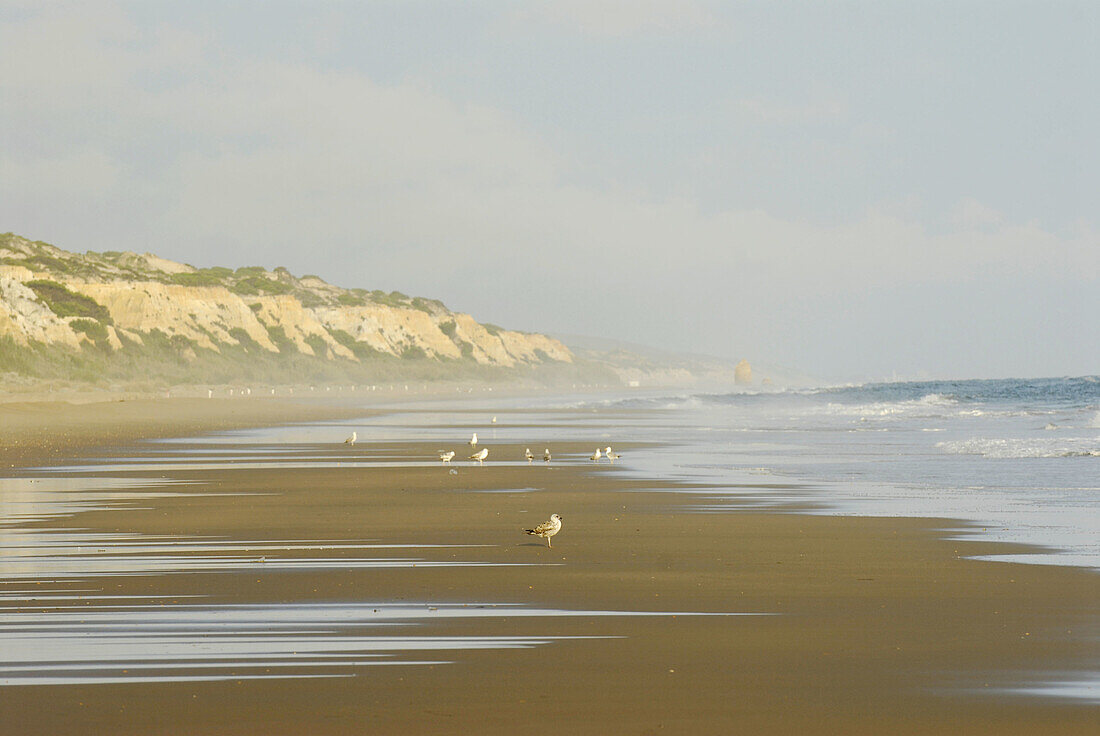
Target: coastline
x=42 y=432
x=871 y=625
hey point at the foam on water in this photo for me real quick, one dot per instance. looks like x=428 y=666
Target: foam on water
x=1032 y=447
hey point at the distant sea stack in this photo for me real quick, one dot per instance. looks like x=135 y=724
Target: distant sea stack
x=742 y=373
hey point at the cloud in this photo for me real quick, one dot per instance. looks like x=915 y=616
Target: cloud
x=972 y=214
x=619 y=17
x=244 y=150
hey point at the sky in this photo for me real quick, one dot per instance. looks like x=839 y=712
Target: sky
x=854 y=190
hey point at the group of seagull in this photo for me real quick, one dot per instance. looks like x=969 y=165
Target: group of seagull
x=447 y=455
x=546 y=529
x=605 y=452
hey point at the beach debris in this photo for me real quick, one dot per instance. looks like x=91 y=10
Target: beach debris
x=595 y=455
x=473 y=440
x=446 y=456
x=351 y=440
x=546 y=455
x=529 y=455
x=480 y=455
x=546 y=529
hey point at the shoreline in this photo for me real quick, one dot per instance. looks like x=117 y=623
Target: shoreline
x=875 y=625
x=46 y=431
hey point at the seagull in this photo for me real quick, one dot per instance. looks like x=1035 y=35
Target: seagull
x=446 y=456
x=480 y=455
x=546 y=455
x=494 y=420
x=547 y=529
x=527 y=454
x=473 y=440
x=610 y=455
x=595 y=455
x=351 y=440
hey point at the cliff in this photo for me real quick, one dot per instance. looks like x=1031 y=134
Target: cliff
x=146 y=307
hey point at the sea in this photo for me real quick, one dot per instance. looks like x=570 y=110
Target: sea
x=1017 y=459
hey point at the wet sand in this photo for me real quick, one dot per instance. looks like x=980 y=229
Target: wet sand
x=874 y=626
x=54 y=431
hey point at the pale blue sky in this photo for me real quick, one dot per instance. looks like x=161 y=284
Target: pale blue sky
x=851 y=189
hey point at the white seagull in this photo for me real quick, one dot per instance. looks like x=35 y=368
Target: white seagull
x=446 y=456
x=527 y=454
x=480 y=455
x=611 y=455
x=546 y=529
x=595 y=455
x=351 y=440
x=473 y=440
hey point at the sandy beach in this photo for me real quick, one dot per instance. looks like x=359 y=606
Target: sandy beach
x=45 y=431
x=855 y=625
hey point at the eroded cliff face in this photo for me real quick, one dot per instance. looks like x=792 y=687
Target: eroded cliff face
x=24 y=317
x=53 y=297
x=203 y=314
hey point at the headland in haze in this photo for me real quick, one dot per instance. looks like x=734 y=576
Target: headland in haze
x=121 y=319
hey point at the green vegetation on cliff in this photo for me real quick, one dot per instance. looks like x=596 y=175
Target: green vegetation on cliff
x=65 y=303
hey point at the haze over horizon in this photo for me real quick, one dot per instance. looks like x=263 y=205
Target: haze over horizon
x=854 y=191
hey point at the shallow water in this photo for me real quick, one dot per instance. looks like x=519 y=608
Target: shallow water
x=112 y=643
x=60 y=626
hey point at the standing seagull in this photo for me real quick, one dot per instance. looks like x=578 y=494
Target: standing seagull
x=527 y=454
x=473 y=440
x=351 y=440
x=546 y=529
x=446 y=456
x=480 y=455
x=595 y=455
x=610 y=455
x=546 y=455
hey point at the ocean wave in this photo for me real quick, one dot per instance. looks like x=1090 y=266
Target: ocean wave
x=1027 y=392
x=949 y=399
x=646 y=402
x=930 y=405
x=1024 y=448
